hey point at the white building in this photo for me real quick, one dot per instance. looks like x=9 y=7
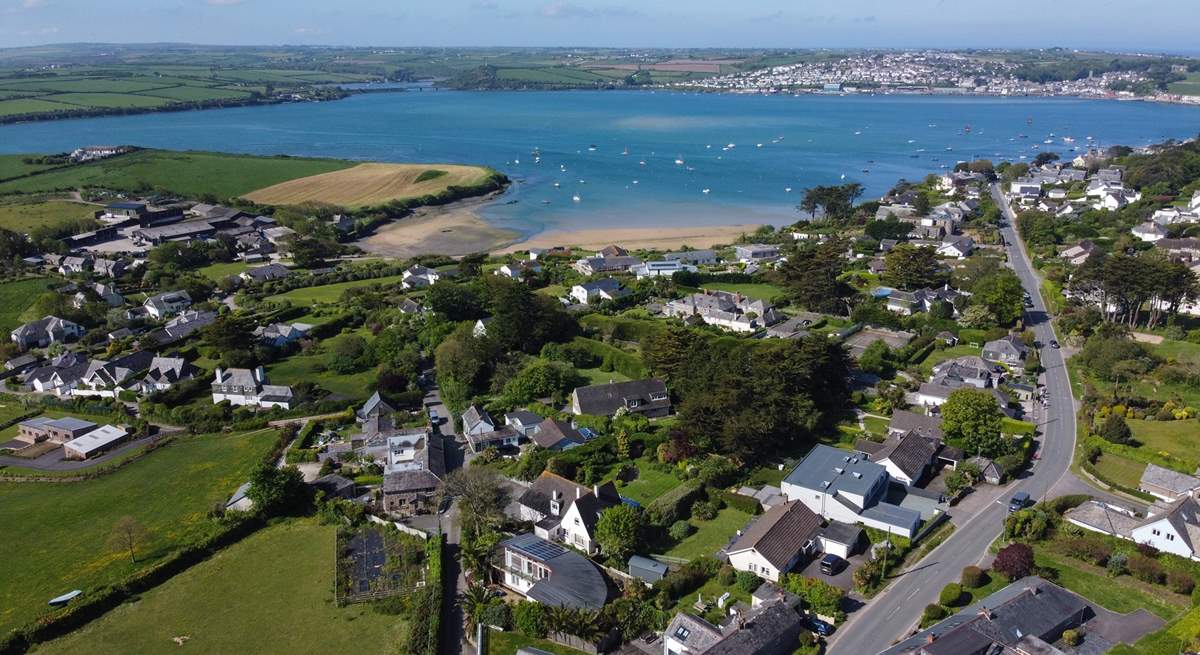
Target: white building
x=845 y=487
x=95 y=442
x=244 y=387
x=776 y=541
x=167 y=304
x=665 y=268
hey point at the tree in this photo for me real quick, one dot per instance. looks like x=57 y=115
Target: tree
x=819 y=596
x=229 y=332
x=348 y=353
x=1002 y=293
x=974 y=417
x=126 y=535
x=474 y=601
x=529 y=617
x=835 y=201
x=310 y=253
x=618 y=531
x=889 y=228
x=1014 y=561
x=911 y=267
x=811 y=275
x=481 y=495
x=921 y=204
x=1045 y=157
x=977 y=317
x=276 y=490
x=877 y=358
x=1116 y=430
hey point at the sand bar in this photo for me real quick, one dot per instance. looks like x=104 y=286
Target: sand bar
x=650 y=238
x=454 y=229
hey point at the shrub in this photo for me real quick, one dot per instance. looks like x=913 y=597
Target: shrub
x=1014 y=561
x=1117 y=564
x=669 y=507
x=1088 y=549
x=1147 y=550
x=1063 y=503
x=704 y=510
x=973 y=577
x=747 y=504
x=529 y=617
x=727 y=575
x=1181 y=582
x=1071 y=637
x=1115 y=430
x=498 y=614
x=951 y=595
x=680 y=530
x=689 y=577
x=1145 y=569
x=748 y=582
x=807 y=639
x=933 y=612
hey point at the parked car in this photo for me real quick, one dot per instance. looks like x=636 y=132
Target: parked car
x=1054 y=344
x=433 y=416
x=832 y=564
x=818 y=626
x=1018 y=502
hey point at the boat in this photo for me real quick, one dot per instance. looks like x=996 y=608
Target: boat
x=679 y=162
x=758 y=145
x=635 y=181
x=516 y=161
x=843 y=176
x=556 y=185
x=857 y=132
x=966 y=129
x=642 y=163
x=787 y=189
x=625 y=151
x=705 y=191
x=576 y=198
x=545 y=202
x=592 y=148
x=1048 y=141
x=1067 y=139
x=731 y=145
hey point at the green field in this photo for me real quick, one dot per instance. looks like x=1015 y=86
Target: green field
x=1188 y=87
x=187 y=173
x=650 y=483
x=1180 y=439
x=1125 y=596
x=20 y=217
x=13 y=166
x=29 y=106
x=331 y=292
x=1121 y=470
x=16 y=298
x=56 y=533
x=106 y=100
x=758 y=291
x=232 y=603
x=710 y=536
x=302 y=368
x=221 y=270
x=196 y=93
x=507 y=643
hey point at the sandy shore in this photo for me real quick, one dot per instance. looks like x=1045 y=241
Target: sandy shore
x=454 y=229
x=656 y=238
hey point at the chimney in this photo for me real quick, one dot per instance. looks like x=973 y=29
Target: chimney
x=556 y=495
x=218 y=372
x=578 y=493
x=930 y=637
x=985 y=613
x=260 y=374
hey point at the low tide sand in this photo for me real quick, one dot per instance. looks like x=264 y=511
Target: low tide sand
x=458 y=229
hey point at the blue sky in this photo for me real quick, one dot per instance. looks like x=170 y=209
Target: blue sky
x=1166 y=25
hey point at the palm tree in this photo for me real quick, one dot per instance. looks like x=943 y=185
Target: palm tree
x=474 y=601
x=588 y=625
x=559 y=619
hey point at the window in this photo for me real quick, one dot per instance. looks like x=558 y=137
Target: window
x=658 y=396
x=577 y=520
x=1170 y=537
x=1156 y=532
x=633 y=402
x=682 y=632
x=753 y=568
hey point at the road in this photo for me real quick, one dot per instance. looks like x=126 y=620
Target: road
x=896 y=610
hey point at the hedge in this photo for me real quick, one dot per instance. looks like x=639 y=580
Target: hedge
x=626 y=364
x=622 y=328
x=675 y=504
x=748 y=504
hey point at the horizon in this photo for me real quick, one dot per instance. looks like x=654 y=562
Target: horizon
x=672 y=24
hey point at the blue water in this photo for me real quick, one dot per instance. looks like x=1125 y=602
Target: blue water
x=805 y=141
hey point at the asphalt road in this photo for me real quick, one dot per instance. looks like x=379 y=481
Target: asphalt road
x=893 y=613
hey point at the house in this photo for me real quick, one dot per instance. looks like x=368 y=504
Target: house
x=265 y=273
x=934 y=393
x=335 y=486
x=95 y=442
x=281 y=334
x=45 y=331
x=556 y=435
x=185 y=231
x=904 y=421
x=106 y=293
x=959 y=248
x=59 y=376
x=776 y=541
x=72 y=264
x=579 y=519
x=906 y=456
x=167 y=304
x=756 y=252
x=921 y=300
x=795 y=327
x=1173 y=528
x=523 y=421
x=694 y=257
x=53 y=430
x=646 y=397
x=664 y=268
x=416 y=467
x=480 y=329
x=419 y=277
x=846 y=487
x=109 y=379
x=967 y=369
x=646 y=569
x=1009 y=350
x=482 y=432
x=180 y=327
x=342 y=223
x=519 y=270
x=562 y=510
x=1077 y=254
x=22 y=363
x=109 y=267
x=772 y=627
x=726 y=309
x=410 y=306
x=550 y=574
x=244 y=387
x=280 y=237
x=598 y=291
x=165 y=372
x=477 y=421
x=605 y=264
x=1025 y=618
x=1167 y=485
x=1149 y=231
x=375 y=407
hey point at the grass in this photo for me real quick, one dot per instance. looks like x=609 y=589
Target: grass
x=187 y=173
x=1121 y=470
x=63 y=527
x=710 y=591
x=876 y=424
x=756 y=290
x=17 y=297
x=507 y=643
x=650 y=483
x=23 y=217
x=596 y=376
x=367 y=185
x=1125 y=596
x=223 y=604
x=710 y=536
x=304 y=368
x=1013 y=426
x=13 y=166
x=332 y=292
x=1177 y=438
x=937 y=356
x=1188 y=87
x=221 y=270
x=107 y=100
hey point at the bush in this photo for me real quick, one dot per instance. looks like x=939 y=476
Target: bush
x=1115 y=430
x=680 y=530
x=498 y=614
x=933 y=612
x=1014 y=561
x=951 y=595
x=1117 y=564
x=1147 y=550
x=727 y=576
x=973 y=577
x=704 y=510
x=1063 y=503
x=1010 y=464
x=670 y=507
x=1181 y=582
x=748 y=582
x=807 y=639
x=529 y=617
x=747 y=504
x=1145 y=569
x=689 y=577
x=1071 y=637
x=1089 y=549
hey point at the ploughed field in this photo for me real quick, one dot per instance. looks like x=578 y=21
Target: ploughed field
x=365 y=185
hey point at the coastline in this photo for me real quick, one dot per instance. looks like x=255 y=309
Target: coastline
x=650 y=238
x=452 y=229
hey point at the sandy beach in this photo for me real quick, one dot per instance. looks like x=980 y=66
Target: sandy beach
x=650 y=238
x=454 y=229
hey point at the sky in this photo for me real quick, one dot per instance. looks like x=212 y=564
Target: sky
x=1151 y=25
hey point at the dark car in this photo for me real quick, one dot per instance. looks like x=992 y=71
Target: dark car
x=1054 y=344
x=1018 y=502
x=831 y=564
x=818 y=626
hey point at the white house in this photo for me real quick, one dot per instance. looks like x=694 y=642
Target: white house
x=45 y=331
x=756 y=252
x=959 y=248
x=419 y=277
x=548 y=573
x=598 y=290
x=1149 y=231
x=1172 y=529
x=167 y=304
x=666 y=268
x=846 y=487
x=776 y=541
x=244 y=387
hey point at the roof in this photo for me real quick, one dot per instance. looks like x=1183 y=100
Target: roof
x=1184 y=517
x=573 y=582
x=551 y=433
x=906 y=421
x=522 y=416
x=71 y=423
x=97 y=439
x=606 y=399
x=780 y=533
x=647 y=564
x=537 y=497
x=375 y=405
x=1172 y=481
x=841 y=533
x=831 y=470
x=694 y=632
x=762 y=633
x=911 y=452
x=474 y=416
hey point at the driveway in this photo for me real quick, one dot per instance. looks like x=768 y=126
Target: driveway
x=844 y=580
x=1122 y=628
x=53 y=460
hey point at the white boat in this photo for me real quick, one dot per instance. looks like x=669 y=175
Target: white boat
x=65 y=598
x=642 y=163
x=679 y=162
x=583 y=181
x=516 y=161
x=843 y=176
x=556 y=185
x=758 y=145
x=1067 y=139
x=576 y=198
x=705 y=191
x=856 y=132
x=730 y=145
x=635 y=181
x=787 y=189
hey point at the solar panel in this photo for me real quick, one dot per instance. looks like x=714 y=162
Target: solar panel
x=541 y=549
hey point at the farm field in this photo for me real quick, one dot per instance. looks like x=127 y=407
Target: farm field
x=14 y=166
x=369 y=184
x=190 y=173
x=65 y=526
x=306 y=296
x=23 y=217
x=16 y=298
x=223 y=605
x=1188 y=87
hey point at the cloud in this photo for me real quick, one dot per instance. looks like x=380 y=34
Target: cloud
x=568 y=10
x=767 y=18
x=223 y=3
x=32 y=4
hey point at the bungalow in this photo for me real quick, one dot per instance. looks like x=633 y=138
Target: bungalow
x=519 y=270
x=108 y=379
x=265 y=273
x=967 y=370
x=1149 y=231
x=71 y=264
x=959 y=248
x=179 y=327
x=53 y=430
x=249 y=388
x=776 y=541
x=598 y=291
x=605 y=264
x=1165 y=484
x=756 y=252
x=556 y=435
x=165 y=372
x=922 y=300
x=548 y=573
x=1077 y=254
x=646 y=397
x=665 y=268
x=1174 y=528
x=281 y=334
x=45 y=331
x=1009 y=350
x=95 y=442
x=771 y=627
x=167 y=304
x=419 y=277
x=694 y=257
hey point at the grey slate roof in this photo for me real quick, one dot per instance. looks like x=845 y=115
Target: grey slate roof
x=573 y=582
x=910 y=452
x=551 y=433
x=820 y=466
x=606 y=399
x=780 y=533
x=537 y=496
x=1172 y=481
x=906 y=421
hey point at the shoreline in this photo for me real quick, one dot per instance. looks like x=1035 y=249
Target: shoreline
x=636 y=238
x=454 y=229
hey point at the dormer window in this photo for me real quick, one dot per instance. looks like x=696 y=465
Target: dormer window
x=658 y=396
x=555 y=508
x=633 y=402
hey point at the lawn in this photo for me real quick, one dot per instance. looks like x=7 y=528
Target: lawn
x=1013 y=426
x=1124 y=596
x=1121 y=470
x=939 y=355
x=876 y=424
x=596 y=376
x=710 y=591
x=331 y=292
x=507 y=643
x=1188 y=87
x=710 y=536
x=223 y=605
x=221 y=270
x=186 y=173
x=305 y=368
x=16 y=297
x=367 y=185
x=63 y=527
x=650 y=483
x=23 y=217
x=14 y=166
x=758 y=291
x=1180 y=439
